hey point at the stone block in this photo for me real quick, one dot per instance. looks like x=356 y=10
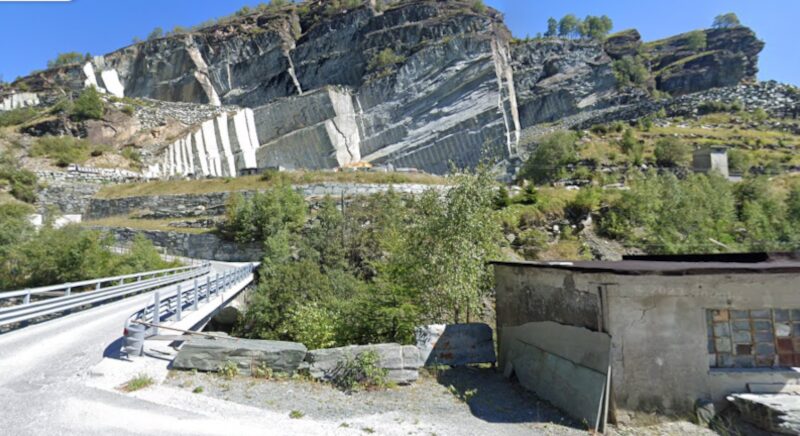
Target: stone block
x=402 y=362
x=455 y=344
x=207 y=354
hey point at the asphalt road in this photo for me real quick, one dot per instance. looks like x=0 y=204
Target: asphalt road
x=44 y=369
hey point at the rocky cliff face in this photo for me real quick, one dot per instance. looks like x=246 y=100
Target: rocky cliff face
x=422 y=84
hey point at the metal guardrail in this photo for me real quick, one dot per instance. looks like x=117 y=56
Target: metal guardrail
x=97 y=283
x=32 y=310
x=171 y=306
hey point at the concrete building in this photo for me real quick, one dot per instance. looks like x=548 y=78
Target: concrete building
x=710 y=159
x=672 y=330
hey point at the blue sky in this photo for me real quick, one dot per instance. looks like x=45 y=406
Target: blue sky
x=32 y=33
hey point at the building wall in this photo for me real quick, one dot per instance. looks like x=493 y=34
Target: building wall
x=660 y=356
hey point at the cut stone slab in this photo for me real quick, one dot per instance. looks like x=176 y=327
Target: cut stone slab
x=402 y=362
x=206 y=354
x=776 y=413
x=455 y=344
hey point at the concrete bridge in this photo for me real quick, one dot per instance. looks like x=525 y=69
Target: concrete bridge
x=53 y=348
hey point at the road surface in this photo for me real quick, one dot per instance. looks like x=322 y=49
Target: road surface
x=54 y=379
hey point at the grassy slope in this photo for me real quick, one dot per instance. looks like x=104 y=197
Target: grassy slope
x=259 y=182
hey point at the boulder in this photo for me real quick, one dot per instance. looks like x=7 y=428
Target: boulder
x=455 y=344
x=402 y=362
x=207 y=354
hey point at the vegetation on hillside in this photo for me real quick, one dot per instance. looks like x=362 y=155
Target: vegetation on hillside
x=65 y=150
x=373 y=271
x=30 y=257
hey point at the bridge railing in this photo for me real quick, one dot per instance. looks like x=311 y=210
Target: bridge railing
x=27 y=310
x=67 y=288
x=145 y=322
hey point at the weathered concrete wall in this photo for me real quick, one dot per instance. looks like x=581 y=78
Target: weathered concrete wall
x=658 y=327
x=197 y=246
x=565 y=365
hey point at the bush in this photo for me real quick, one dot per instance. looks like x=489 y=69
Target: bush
x=738 y=160
x=17 y=116
x=587 y=200
x=630 y=71
x=478 y=6
x=697 y=40
x=360 y=372
x=23 y=183
x=672 y=152
x=313 y=326
x=155 y=34
x=66 y=59
x=266 y=214
x=385 y=60
x=553 y=153
x=502 y=200
x=65 y=150
x=88 y=106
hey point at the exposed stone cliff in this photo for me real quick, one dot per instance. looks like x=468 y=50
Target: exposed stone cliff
x=422 y=84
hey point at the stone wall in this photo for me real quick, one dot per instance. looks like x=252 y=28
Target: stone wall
x=197 y=246
x=69 y=198
x=184 y=205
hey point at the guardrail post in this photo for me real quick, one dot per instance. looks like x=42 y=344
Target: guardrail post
x=156 y=310
x=68 y=292
x=194 y=296
x=208 y=288
x=216 y=285
x=178 y=304
x=97 y=288
x=27 y=299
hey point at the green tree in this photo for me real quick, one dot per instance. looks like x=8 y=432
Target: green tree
x=672 y=152
x=594 y=27
x=630 y=70
x=62 y=59
x=553 y=153
x=158 y=32
x=88 y=106
x=552 y=28
x=569 y=26
x=697 y=40
x=726 y=21
x=265 y=214
x=448 y=246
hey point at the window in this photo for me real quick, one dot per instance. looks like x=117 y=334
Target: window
x=764 y=338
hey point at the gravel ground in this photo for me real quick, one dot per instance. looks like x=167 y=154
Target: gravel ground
x=459 y=401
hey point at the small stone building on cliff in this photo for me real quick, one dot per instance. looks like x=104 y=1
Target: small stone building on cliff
x=651 y=334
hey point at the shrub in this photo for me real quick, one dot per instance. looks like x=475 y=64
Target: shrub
x=198 y=390
x=672 y=152
x=697 y=40
x=155 y=34
x=17 y=116
x=587 y=200
x=261 y=370
x=65 y=150
x=88 y=106
x=384 y=60
x=532 y=242
x=266 y=214
x=630 y=71
x=128 y=110
x=478 y=6
x=739 y=160
x=139 y=382
x=553 y=153
x=359 y=372
x=726 y=21
x=502 y=200
x=296 y=414
x=23 y=183
x=228 y=370
x=528 y=196
x=65 y=59
x=313 y=326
